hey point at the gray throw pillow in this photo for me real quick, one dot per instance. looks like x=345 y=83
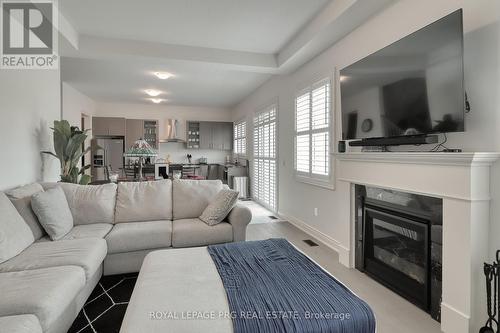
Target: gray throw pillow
x=15 y=235
x=53 y=212
x=220 y=207
x=23 y=206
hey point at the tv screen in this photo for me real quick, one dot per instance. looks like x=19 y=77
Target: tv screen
x=411 y=87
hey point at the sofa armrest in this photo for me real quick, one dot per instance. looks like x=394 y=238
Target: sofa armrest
x=239 y=218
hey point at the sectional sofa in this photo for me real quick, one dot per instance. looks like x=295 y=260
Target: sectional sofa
x=44 y=287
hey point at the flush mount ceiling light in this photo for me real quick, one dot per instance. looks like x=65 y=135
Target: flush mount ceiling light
x=156 y=100
x=152 y=92
x=163 y=75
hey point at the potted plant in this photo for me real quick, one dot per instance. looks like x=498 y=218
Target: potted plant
x=68 y=147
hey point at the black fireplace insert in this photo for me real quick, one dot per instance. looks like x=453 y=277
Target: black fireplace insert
x=398 y=243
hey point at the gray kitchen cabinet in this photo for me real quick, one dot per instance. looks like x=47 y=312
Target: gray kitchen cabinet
x=108 y=126
x=142 y=129
x=216 y=135
x=135 y=131
x=206 y=140
x=99 y=126
x=227 y=136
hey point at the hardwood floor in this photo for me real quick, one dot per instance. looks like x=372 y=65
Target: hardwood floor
x=393 y=313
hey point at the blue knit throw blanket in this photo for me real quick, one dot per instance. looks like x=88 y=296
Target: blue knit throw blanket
x=272 y=287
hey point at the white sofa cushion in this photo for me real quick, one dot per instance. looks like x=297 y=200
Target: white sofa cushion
x=136 y=236
x=144 y=201
x=191 y=197
x=15 y=235
x=220 y=207
x=91 y=203
x=96 y=230
x=23 y=206
x=26 y=323
x=195 y=232
x=86 y=253
x=24 y=191
x=52 y=210
x=46 y=292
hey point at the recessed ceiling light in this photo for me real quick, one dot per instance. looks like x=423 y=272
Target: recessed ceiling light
x=156 y=100
x=163 y=75
x=152 y=92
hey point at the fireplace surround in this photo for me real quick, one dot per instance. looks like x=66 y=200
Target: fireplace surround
x=462 y=181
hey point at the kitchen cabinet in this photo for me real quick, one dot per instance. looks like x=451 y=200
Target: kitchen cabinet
x=206 y=140
x=216 y=135
x=141 y=129
x=226 y=136
x=135 y=131
x=108 y=126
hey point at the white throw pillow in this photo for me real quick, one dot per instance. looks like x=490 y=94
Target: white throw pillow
x=15 y=235
x=220 y=207
x=53 y=212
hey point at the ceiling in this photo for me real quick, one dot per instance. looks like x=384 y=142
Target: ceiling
x=124 y=81
x=218 y=50
x=262 y=26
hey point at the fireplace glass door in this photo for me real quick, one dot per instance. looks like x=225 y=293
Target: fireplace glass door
x=397 y=252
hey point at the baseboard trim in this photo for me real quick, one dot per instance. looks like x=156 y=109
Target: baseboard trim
x=453 y=320
x=343 y=252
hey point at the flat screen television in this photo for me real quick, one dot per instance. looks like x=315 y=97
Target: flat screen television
x=412 y=87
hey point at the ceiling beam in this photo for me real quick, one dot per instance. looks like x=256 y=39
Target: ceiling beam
x=333 y=23
x=92 y=47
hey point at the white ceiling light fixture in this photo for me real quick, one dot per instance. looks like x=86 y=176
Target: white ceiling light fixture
x=157 y=100
x=152 y=92
x=163 y=75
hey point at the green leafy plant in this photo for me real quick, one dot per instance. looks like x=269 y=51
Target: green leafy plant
x=68 y=147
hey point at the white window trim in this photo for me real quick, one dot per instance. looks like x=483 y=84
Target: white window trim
x=327 y=182
x=243 y=137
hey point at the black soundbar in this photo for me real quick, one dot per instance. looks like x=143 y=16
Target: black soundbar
x=396 y=141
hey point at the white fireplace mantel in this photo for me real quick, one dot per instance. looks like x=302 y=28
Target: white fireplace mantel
x=462 y=180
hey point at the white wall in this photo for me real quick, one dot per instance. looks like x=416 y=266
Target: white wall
x=177 y=151
x=482 y=75
x=74 y=103
x=29 y=103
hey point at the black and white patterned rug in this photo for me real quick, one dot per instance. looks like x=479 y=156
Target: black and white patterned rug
x=105 y=308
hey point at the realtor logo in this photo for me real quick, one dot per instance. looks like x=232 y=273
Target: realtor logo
x=29 y=35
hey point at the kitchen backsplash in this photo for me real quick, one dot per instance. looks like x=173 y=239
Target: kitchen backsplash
x=178 y=152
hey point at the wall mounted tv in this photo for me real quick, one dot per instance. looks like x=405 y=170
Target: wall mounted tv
x=411 y=88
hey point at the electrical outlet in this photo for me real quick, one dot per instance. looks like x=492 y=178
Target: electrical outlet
x=316 y=212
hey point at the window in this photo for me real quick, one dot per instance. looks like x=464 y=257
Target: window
x=265 y=165
x=240 y=138
x=312 y=134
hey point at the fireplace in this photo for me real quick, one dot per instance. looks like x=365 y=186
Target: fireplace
x=398 y=243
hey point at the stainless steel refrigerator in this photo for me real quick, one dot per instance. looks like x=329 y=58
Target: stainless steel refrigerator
x=107 y=152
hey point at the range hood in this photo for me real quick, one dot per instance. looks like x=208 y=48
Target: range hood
x=171 y=131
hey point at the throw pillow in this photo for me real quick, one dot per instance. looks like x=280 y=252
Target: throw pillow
x=23 y=206
x=24 y=191
x=53 y=212
x=220 y=207
x=15 y=235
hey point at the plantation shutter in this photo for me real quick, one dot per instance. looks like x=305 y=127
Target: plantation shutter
x=264 y=170
x=312 y=132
